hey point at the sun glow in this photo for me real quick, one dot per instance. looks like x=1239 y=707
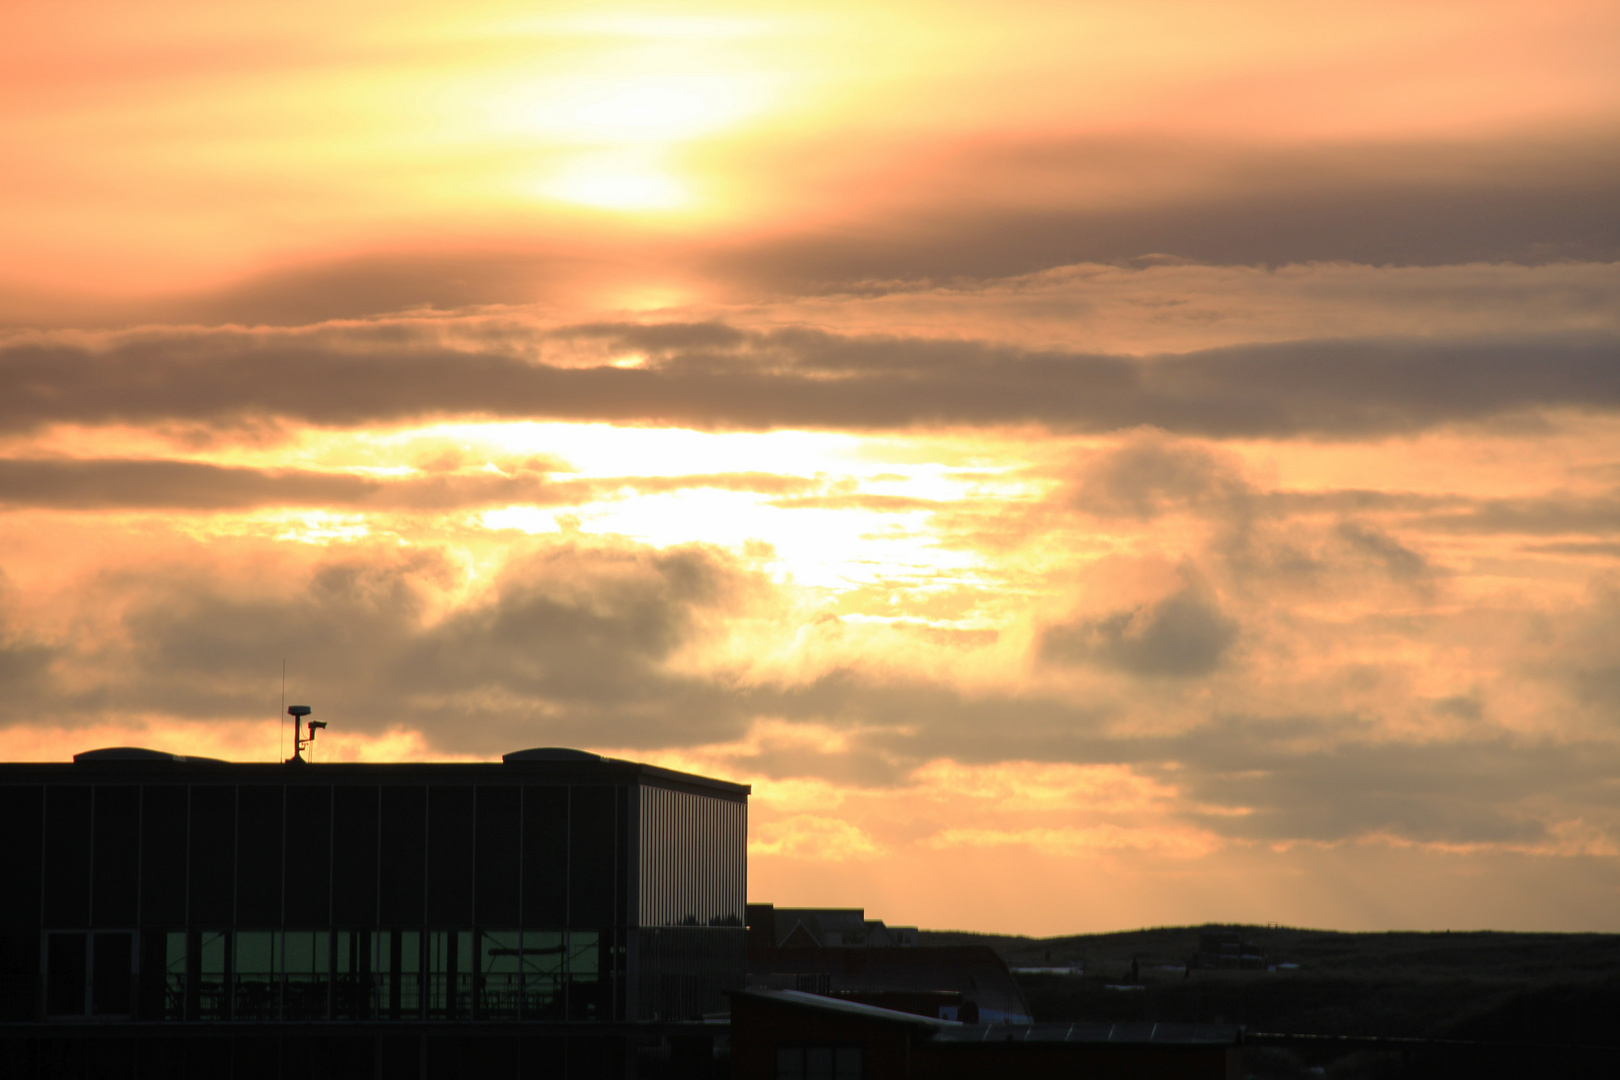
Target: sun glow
x=644 y=109
x=612 y=190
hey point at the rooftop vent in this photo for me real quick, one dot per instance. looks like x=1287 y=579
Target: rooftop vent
x=550 y=753
x=135 y=753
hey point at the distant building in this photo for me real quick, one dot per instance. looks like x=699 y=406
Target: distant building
x=838 y=952
x=787 y=1035
x=822 y=928
x=557 y=914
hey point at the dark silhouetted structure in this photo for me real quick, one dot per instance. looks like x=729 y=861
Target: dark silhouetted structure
x=840 y=953
x=788 y=1035
x=558 y=914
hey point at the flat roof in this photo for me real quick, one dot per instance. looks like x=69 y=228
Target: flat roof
x=133 y=765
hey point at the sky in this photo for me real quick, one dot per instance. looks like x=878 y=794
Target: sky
x=1087 y=465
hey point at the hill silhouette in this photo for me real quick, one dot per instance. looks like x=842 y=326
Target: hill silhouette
x=1478 y=1003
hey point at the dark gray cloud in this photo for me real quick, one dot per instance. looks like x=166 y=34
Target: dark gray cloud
x=995 y=210
x=577 y=643
x=1152 y=475
x=1551 y=514
x=103 y=483
x=1525 y=201
x=1394 y=558
x=570 y=645
x=1318 y=777
x=1469 y=790
x=1183 y=635
x=711 y=376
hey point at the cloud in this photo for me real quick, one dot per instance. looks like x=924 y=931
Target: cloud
x=1182 y=843
x=1016 y=207
x=573 y=642
x=1374 y=545
x=112 y=483
x=808 y=836
x=608 y=643
x=1152 y=475
x=1181 y=636
x=713 y=376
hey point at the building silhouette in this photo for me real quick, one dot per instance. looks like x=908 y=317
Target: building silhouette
x=557 y=914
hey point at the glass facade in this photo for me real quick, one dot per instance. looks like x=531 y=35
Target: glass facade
x=500 y=896
x=693 y=859
x=694 y=881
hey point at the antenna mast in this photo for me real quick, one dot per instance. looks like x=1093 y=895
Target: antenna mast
x=298 y=712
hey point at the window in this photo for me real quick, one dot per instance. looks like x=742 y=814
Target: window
x=112 y=974
x=819 y=1063
x=353 y=988
x=449 y=973
x=305 y=954
x=64 y=974
x=258 y=974
x=500 y=975
x=399 y=973
x=89 y=974
x=212 y=991
x=174 y=976
x=544 y=961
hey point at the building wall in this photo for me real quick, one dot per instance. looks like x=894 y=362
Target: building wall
x=303 y=899
x=691 y=944
x=760 y=1030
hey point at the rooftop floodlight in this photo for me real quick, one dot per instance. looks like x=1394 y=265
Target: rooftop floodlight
x=298 y=712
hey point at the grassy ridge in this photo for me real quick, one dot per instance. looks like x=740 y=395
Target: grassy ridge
x=1488 y=986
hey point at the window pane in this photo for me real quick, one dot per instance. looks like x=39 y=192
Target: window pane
x=352 y=985
x=64 y=988
x=818 y=1063
x=789 y=1063
x=305 y=959
x=258 y=979
x=111 y=989
x=174 y=977
x=543 y=975
x=848 y=1063
x=213 y=961
x=399 y=967
x=500 y=974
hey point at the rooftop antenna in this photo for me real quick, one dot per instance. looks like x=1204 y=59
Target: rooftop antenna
x=281 y=725
x=298 y=712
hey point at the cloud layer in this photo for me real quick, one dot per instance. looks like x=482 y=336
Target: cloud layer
x=714 y=376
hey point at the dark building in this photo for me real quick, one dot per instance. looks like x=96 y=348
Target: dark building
x=771 y=927
x=555 y=914
x=838 y=952
x=788 y=1035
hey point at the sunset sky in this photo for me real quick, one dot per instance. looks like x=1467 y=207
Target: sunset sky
x=1087 y=465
